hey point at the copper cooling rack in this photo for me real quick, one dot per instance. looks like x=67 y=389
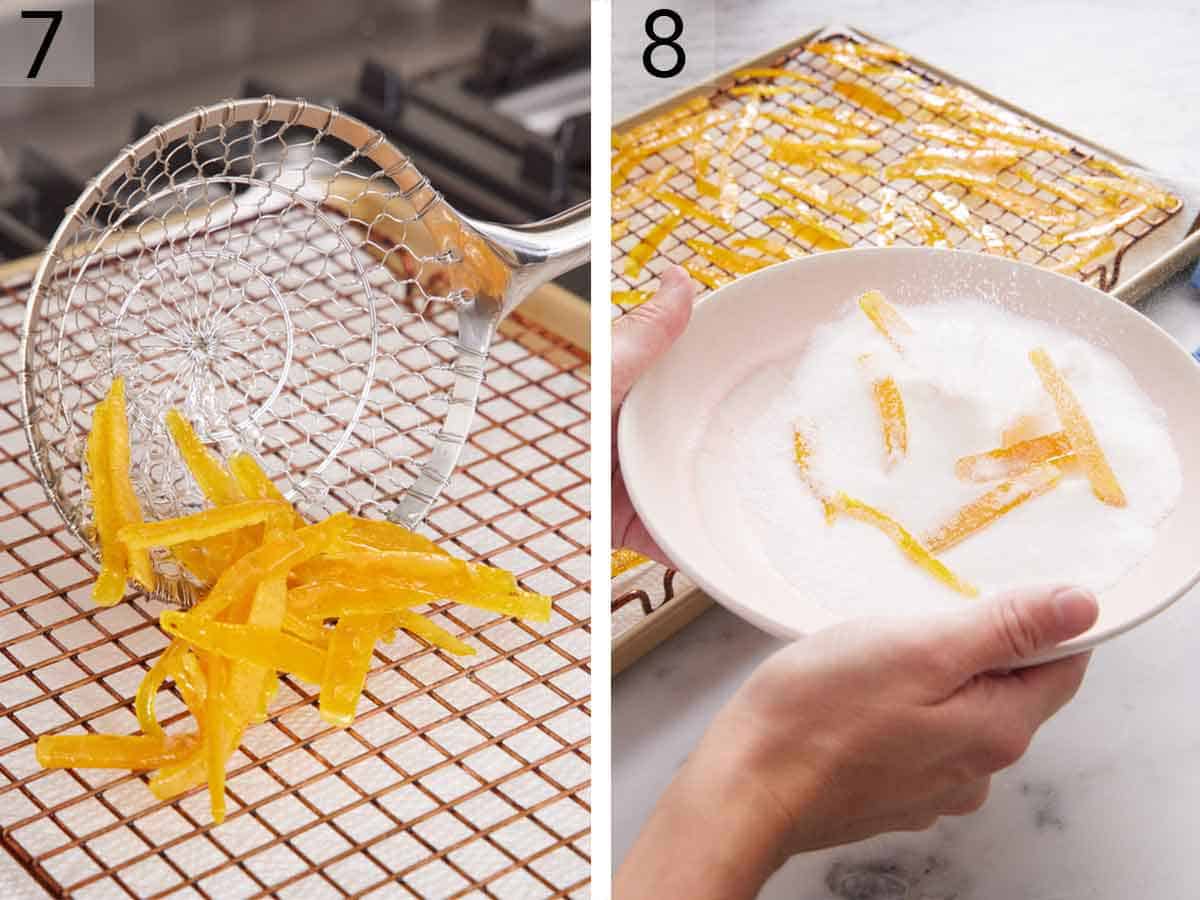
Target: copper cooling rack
x=650 y=603
x=461 y=775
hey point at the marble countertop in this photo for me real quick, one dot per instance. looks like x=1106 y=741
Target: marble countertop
x=1104 y=805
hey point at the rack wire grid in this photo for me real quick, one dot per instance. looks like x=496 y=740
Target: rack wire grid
x=639 y=593
x=461 y=776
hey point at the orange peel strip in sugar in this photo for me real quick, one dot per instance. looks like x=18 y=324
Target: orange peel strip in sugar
x=1079 y=430
x=890 y=404
x=816 y=196
x=1022 y=428
x=802 y=454
x=730 y=261
x=958 y=212
x=885 y=317
x=909 y=545
x=1087 y=254
x=709 y=277
x=689 y=208
x=646 y=247
x=624 y=559
x=804 y=227
x=867 y=49
x=630 y=298
x=868 y=99
x=985 y=510
x=768 y=73
x=1014 y=458
x=643 y=188
x=620 y=229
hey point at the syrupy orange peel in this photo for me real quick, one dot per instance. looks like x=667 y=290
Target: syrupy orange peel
x=989 y=507
x=1014 y=458
x=1079 y=430
x=904 y=540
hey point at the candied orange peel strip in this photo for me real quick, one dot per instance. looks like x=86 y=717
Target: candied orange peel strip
x=630 y=298
x=804 y=226
x=731 y=261
x=868 y=99
x=690 y=208
x=640 y=254
x=106 y=513
x=1087 y=254
x=768 y=73
x=816 y=196
x=199 y=526
x=989 y=507
x=216 y=483
x=1014 y=458
x=885 y=317
x=113 y=751
x=624 y=559
x=909 y=545
x=643 y=188
x=958 y=212
x=1078 y=430
x=766 y=247
x=708 y=276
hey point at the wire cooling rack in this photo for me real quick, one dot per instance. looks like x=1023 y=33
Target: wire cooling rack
x=640 y=595
x=897 y=138
x=460 y=776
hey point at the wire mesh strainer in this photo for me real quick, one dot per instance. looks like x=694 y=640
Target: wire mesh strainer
x=207 y=266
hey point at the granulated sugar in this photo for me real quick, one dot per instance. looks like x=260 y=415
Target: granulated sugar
x=965 y=376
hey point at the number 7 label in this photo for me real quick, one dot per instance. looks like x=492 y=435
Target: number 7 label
x=48 y=44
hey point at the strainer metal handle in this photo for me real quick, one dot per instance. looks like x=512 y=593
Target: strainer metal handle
x=534 y=254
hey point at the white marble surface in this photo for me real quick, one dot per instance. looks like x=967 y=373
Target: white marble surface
x=1106 y=805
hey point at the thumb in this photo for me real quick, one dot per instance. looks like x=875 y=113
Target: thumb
x=1013 y=628
x=645 y=333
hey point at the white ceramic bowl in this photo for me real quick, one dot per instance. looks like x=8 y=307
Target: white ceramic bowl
x=769 y=315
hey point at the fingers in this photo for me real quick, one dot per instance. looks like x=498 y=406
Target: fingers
x=1028 y=697
x=1011 y=629
x=645 y=333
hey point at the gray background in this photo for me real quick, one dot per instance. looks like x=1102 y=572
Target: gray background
x=1104 y=807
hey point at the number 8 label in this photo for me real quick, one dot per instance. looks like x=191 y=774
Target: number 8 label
x=665 y=40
